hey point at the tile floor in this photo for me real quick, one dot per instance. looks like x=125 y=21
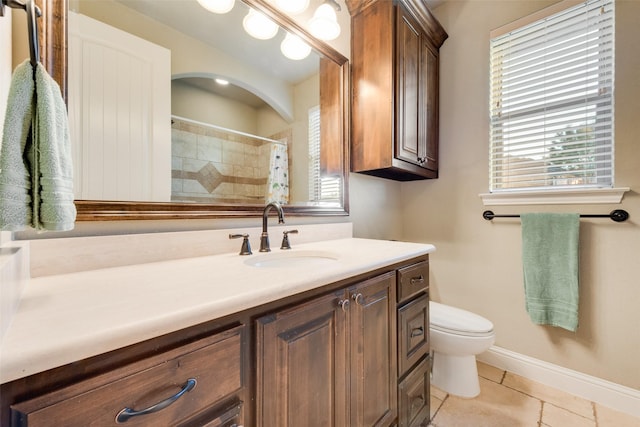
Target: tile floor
x=508 y=400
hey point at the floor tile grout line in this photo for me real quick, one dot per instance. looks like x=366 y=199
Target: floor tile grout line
x=557 y=406
x=438 y=410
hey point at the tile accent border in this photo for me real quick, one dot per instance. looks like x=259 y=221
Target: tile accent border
x=606 y=393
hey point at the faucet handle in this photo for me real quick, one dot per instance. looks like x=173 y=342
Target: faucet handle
x=246 y=247
x=285 y=239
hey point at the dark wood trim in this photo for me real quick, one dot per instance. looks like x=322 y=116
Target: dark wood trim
x=53 y=53
x=52 y=38
x=356 y=6
x=95 y=210
x=436 y=34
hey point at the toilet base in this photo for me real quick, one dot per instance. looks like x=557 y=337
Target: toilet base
x=457 y=375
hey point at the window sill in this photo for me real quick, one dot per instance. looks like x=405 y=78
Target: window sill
x=560 y=197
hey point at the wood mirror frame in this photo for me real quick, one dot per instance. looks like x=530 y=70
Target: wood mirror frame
x=53 y=53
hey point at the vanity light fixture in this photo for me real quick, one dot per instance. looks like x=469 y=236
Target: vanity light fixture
x=293 y=7
x=221 y=82
x=259 y=25
x=324 y=23
x=293 y=47
x=217 y=6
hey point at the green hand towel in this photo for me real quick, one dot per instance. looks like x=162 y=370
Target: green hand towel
x=15 y=177
x=52 y=168
x=550 y=264
x=36 y=171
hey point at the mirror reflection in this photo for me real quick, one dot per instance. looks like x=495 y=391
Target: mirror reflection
x=173 y=103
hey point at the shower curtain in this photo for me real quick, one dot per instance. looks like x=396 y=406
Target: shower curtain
x=278 y=181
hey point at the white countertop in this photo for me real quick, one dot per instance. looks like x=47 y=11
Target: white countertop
x=69 y=317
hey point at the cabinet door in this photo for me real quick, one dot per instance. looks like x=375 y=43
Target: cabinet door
x=429 y=129
x=302 y=365
x=408 y=45
x=373 y=355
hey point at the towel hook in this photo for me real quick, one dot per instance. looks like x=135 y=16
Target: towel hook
x=33 y=12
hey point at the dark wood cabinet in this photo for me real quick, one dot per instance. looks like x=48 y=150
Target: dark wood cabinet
x=330 y=361
x=414 y=362
x=350 y=353
x=395 y=100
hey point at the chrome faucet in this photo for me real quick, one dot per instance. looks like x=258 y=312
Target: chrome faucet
x=264 y=237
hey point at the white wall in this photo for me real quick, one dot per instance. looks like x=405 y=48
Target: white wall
x=477 y=264
x=6 y=65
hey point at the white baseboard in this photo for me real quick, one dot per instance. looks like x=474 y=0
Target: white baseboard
x=606 y=393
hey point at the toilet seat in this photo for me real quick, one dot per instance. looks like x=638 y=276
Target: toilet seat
x=456 y=321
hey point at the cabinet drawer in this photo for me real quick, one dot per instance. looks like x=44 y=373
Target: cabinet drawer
x=196 y=376
x=414 y=394
x=413 y=333
x=412 y=280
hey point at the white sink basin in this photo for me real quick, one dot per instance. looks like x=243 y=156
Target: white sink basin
x=291 y=259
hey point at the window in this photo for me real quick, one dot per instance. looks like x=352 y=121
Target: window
x=552 y=101
x=321 y=188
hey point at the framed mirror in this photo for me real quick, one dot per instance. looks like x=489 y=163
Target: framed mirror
x=286 y=120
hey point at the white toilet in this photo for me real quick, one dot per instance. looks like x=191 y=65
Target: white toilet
x=456 y=337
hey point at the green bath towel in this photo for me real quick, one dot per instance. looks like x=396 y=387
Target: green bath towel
x=550 y=264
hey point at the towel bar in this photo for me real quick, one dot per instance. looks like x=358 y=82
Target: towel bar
x=33 y=12
x=618 y=215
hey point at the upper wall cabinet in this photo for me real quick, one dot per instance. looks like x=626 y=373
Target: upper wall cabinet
x=394 y=52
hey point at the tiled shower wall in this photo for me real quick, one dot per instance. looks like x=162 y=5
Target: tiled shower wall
x=210 y=165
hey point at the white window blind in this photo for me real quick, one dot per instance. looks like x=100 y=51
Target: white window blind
x=325 y=189
x=552 y=101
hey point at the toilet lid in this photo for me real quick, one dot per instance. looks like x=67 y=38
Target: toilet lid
x=446 y=318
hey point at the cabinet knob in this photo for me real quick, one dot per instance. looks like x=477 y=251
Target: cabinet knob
x=357 y=298
x=344 y=304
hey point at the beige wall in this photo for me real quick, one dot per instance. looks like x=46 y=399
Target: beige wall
x=192 y=103
x=477 y=264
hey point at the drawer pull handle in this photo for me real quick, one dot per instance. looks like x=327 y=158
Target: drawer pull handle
x=418 y=401
x=126 y=413
x=416 y=332
x=415 y=280
x=344 y=304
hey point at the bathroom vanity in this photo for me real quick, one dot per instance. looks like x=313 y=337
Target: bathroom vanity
x=329 y=333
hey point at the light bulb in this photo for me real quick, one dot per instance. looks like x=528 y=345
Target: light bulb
x=217 y=6
x=324 y=24
x=259 y=26
x=293 y=47
x=293 y=7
